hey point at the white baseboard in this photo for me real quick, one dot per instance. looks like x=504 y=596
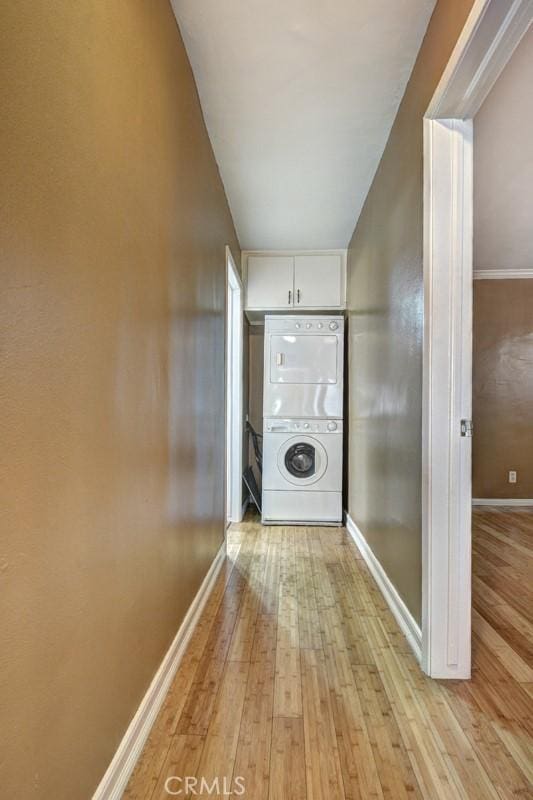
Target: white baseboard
x=402 y=615
x=501 y=501
x=115 y=780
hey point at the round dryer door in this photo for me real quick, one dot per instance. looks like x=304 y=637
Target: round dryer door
x=302 y=460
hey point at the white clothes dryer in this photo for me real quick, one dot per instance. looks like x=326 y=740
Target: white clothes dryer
x=303 y=375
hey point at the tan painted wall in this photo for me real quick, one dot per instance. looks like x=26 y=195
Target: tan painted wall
x=503 y=167
x=255 y=385
x=113 y=229
x=503 y=317
x=503 y=388
x=385 y=329
x=256 y=362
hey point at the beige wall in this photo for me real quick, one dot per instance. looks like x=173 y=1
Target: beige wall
x=113 y=229
x=385 y=329
x=255 y=375
x=503 y=388
x=255 y=385
x=503 y=317
x=503 y=167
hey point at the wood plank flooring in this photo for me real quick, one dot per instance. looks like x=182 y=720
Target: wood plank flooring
x=298 y=681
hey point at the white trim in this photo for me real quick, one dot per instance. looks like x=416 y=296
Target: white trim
x=116 y=777
x=234 y=390
x=501 y=501
x=491 y=33
x=502 y=274
x=404 y=618
x=447 y=390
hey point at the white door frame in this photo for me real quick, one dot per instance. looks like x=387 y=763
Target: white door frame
x=491 y=34
x=234 y=390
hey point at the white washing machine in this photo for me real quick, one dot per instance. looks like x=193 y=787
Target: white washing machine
x=303 y=374
x=302 y=471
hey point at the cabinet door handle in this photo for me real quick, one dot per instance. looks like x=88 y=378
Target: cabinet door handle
x=298 y=295
x=290 y=296
x=279 y=359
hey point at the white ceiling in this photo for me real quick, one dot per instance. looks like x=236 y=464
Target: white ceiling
x=299 y=97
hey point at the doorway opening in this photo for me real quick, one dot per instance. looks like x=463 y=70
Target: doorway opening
x=489 y=38
x=234 y=391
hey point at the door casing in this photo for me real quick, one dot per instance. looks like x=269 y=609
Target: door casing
x=234 y=390
x=493 y=30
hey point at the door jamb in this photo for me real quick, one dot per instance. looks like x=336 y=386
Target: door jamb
x=234 y=391
x=490 y=36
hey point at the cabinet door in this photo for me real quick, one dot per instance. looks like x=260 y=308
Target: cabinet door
x=318 y=281
x=270 y=282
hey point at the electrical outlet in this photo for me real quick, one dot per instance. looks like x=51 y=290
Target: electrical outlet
x=512 y=476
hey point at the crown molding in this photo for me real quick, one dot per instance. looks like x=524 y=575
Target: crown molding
x=502 y=274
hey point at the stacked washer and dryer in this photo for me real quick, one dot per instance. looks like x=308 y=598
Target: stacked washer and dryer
x=303 y=420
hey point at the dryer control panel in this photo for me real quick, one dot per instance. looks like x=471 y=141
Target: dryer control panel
x=304 y=324
x=303 y=426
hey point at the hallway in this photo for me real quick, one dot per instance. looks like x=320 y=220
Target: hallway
x=297 y=653
x=237 y=249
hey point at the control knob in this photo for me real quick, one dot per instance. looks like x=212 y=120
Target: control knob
x=333 y=325
x=332 y=426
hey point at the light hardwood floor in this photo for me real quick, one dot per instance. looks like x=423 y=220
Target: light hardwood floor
x=298 y=679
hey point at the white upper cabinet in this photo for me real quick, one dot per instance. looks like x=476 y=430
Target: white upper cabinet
x=306 y=281
x=318 y=281
x=270 y=282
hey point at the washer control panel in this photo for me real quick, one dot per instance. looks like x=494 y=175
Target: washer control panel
x=309 y=426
